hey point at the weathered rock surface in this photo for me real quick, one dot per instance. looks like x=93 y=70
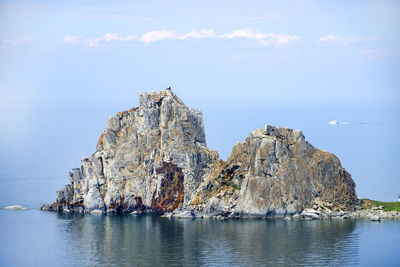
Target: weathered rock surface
x=275 y=172
x=154 y=158
x=149 y=158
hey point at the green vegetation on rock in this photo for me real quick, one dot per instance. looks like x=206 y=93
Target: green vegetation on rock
x=386 y=206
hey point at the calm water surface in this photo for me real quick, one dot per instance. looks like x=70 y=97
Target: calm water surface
x=35 y=238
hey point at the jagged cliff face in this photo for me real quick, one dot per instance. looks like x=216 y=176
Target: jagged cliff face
x=148 y=158
x=276 y=172
x=154 y=158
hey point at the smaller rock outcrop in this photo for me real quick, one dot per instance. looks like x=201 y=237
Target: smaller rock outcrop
x=275 y=172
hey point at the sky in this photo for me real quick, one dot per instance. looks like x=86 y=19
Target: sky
x=65 y=66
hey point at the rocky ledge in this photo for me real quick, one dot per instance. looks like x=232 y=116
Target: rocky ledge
x=306 y=214
x=154 y=158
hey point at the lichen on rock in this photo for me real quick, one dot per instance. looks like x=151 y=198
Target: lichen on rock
x=154 y=158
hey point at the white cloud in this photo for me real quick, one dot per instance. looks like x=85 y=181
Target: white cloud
x=339 y=40
x=263 y=38
x=245 y=33
x=154 y=36
x=94 y=42
x=204 y=33
x=279 y=39
x=72 y=39
x=108 y=37
x=25 y=39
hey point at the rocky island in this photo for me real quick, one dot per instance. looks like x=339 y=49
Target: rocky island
x=155 y=159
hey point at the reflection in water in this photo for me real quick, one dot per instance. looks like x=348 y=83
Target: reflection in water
x=151 y=240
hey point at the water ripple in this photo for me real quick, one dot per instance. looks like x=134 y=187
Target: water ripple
x=87 y=240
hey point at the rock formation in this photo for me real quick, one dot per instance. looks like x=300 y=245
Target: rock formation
x=276 y=172
x=154 y=158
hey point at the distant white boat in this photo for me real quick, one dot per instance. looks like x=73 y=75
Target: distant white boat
x=336 y=122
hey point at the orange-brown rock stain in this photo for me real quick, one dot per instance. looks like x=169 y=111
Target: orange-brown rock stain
x=297 y=147
x=100 y=142
x=171 y=193
x=196 y=200
x=139 y=204
x=121 y=113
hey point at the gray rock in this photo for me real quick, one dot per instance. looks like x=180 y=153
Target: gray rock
x=46 y=207
x=375 y=218
x=296 y=216
x=96 y=212
x=149 y=158
x=310 y=214
x=278 y=173
x=168 y=215
x=214 y=205
x=136 y=212
x=184 y=214
x=154 y=158
x=14 y=207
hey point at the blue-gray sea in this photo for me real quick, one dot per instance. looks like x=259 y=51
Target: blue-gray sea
x=38 y=238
